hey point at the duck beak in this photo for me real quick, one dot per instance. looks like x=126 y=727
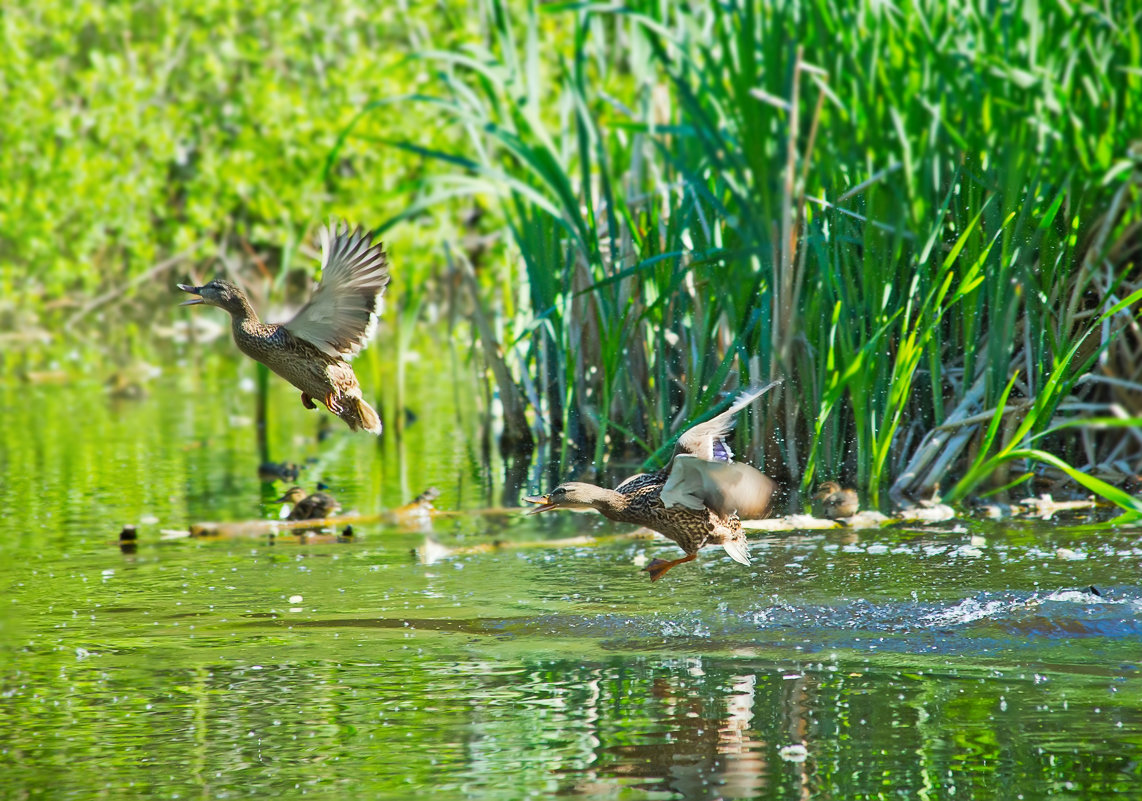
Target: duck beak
x=194 y=290
x=544 y=501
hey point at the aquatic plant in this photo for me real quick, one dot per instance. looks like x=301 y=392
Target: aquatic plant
x=899 y=210
x=910 y=214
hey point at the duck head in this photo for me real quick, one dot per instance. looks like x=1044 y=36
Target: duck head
x=569 y=495
x=825 y=490
x=293 y=495
x=218 y=292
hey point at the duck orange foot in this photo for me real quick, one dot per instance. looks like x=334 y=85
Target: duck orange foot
x=658 y=567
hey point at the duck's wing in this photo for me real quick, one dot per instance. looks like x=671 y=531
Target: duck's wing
x=302 y=509
x=724 y=488
x=324 y=504
x=638 y=481
x=341 y=315
x=708 y=440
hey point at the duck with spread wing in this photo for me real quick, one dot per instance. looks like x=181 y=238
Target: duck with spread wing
x=312 y=350
x=698 y=499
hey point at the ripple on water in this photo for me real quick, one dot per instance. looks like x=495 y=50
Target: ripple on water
x=991 y=623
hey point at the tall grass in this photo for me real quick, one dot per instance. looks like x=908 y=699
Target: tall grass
x=144 y=140
x=910 y=213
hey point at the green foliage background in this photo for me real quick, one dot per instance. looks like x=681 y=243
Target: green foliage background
x=898 y=210
x=135 y=131
x=881 y=204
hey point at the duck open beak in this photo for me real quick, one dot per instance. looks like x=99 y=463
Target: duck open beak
x=544 y=501
x=194 y=290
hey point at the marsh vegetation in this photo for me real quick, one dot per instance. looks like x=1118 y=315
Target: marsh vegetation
x=926 y=221
x=925 y=218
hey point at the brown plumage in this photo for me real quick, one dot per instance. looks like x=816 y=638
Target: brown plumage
x=837 y=502
x=698 y=499
x=317 y=506
x=312 y=350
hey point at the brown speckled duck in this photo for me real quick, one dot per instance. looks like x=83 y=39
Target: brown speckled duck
x=698 y=499
x=317 y=506
x=837 y=502
x=311 y=351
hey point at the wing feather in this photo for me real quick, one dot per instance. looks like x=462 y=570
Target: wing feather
x=341 y=315
x=708 y=440
x=725 y=488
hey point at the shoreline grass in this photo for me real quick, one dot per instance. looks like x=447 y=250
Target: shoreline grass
x=910 y=215
x=919 y=217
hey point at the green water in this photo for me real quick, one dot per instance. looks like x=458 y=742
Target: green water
x=893 y=664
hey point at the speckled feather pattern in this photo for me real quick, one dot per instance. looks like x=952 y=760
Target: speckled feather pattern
x=310 y=350
x=691 y=529
x=317 y=506
x=298 y=362
x=695 y=500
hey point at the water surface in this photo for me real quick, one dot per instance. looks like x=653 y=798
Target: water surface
x=967 y=660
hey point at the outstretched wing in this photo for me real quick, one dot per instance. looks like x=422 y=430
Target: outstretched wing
x=342 y=313
x=708 y=440
x=725 y=488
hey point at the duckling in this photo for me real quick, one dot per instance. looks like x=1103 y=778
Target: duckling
x=837 y=502
x=418 y=511
x=698 y=499
x=317 y=506
x=312 y=350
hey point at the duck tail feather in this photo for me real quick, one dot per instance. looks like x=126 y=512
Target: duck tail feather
x=361 y=416
x=738 y=550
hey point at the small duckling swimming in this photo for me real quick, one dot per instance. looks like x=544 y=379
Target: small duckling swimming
x=317 y=506
x=837 y=502
x=275 y=471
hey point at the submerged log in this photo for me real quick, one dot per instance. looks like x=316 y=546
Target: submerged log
x=1045 y=506
x=926 y=513
x=417 y=514
x=257 y=528
x=433 y=551
x=792 y=523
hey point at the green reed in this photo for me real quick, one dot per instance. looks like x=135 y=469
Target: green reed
x=897 y=210
x=1041 y=410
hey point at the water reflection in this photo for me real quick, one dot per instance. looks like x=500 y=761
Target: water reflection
x=407 y=723
x=885 y=664
x=710 y=748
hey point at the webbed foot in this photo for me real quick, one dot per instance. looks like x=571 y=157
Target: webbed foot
x=658 y=567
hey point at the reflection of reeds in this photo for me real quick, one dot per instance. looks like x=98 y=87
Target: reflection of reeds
x=695 y=203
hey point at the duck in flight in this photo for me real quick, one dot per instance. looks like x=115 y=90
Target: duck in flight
x=312 y=350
